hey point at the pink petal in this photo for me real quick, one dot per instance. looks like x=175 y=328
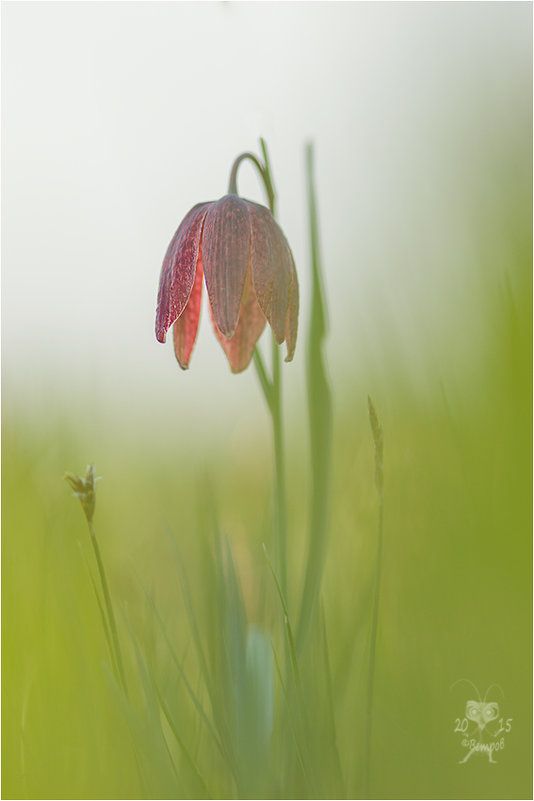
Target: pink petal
x=178 y=270
x=292 y=317
x=186 y=326
x=226 y=250
x=272 y=268
x=240 y=347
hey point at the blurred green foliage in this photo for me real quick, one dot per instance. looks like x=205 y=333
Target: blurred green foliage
x=455 y=602
x=181 y=536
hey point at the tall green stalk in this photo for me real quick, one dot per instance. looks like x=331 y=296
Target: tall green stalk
x=109 y=608
x=85 y=491
x=320 y=425
x=272 y=389
x=279 y=468
x=378 y=439
x=272 y=392
x=277 y=421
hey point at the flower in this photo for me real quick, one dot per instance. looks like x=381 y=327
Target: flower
x=250 y=279
x=85 y=490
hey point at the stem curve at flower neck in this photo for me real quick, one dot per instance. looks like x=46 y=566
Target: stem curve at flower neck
x=232 y=184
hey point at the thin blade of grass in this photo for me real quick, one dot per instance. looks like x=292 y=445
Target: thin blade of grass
x=378 y=441
x=218 y=713
x=292 y=725
x=320 y=424
x=181 y=671
x=189 y=759
x=287 y=624
x=102 y=611
x=330 y=707
x=151 y=697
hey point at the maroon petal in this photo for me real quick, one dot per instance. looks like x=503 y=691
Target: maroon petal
x=178 y=270
x=240 y=347
x=292 y=317
x=272 y=268
x=226 y=251
x=186 y=326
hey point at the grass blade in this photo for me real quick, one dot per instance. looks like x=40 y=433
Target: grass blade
x=320 y=425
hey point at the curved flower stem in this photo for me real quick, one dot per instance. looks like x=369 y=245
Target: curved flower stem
x=263 y=171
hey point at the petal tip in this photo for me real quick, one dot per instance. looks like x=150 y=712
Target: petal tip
x=183 y=364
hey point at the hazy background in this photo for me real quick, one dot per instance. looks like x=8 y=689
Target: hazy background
x=117 y=118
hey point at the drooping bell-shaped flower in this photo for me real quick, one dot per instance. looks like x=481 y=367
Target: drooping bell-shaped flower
x=250 y=278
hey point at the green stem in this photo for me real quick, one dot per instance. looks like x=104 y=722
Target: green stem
x=109 y=608
x=263 y=171
x=264 y=380
x=272 y=390
x=372 y=653
x=279 y=463
x=268 y=178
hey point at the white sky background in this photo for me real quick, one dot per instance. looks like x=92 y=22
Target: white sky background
x=119 y=117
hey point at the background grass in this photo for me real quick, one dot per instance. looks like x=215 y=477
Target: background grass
x=455 y=600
